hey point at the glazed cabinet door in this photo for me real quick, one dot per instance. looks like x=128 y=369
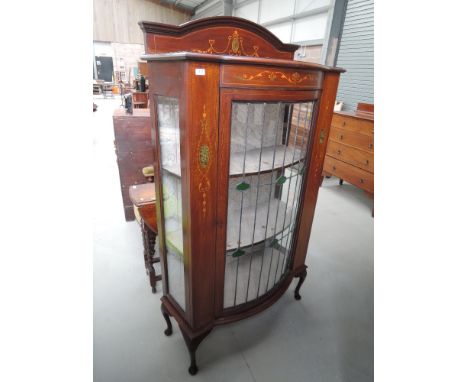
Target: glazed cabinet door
x=266 y=139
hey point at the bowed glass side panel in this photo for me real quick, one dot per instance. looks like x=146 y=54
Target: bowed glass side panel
x=269 y=146
x=169 y=140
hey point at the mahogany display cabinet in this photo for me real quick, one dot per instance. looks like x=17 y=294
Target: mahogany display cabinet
x=239 y=132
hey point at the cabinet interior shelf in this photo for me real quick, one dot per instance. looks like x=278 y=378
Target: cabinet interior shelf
x=276 y=225
x=172 y=169
x=285 y=157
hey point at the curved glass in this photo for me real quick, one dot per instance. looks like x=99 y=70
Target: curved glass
x=169 y=140
x=269 y=145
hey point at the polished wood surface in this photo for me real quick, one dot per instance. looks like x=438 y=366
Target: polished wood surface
x=354 y=139
x=224 y=60
x=148 y=214
x=349 y=173
x=358 y=122
x=216 y=35
x=133 y=150
x=239 y=60
x=140 y=100
x=365 y=107
x=350 y=151
x=143 y=194
x=203 y=112
x=143 y=68
x=257 y=76
x=355 y=157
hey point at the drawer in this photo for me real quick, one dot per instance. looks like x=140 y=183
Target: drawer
x=139 y=158
x=359 y=125
x=245 y=76
x=352 y=138
x=133 y=134
x=356 y=157
x=132 y=146
x=351 y=174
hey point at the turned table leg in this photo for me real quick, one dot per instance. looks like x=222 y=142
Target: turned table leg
x=149 y=239
x=151 y=259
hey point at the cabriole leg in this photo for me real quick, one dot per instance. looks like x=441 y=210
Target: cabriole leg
x=165 y=314
x=302 y=277
x=192 y=345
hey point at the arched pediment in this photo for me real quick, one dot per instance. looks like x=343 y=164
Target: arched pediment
x=223 y=35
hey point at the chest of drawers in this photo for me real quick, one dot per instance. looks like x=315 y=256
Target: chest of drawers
x=350 y=150
x=134 y=151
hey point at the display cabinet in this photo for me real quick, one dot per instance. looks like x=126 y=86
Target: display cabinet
x=239 y=132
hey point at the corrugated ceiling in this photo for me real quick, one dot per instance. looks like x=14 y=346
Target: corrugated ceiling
x=186 y=5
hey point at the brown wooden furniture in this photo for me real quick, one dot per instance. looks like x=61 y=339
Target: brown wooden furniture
x=140 y=100
x=240 y=132
x=350 y=150
x=144 y=202
x=134 y=151
x=143 y=68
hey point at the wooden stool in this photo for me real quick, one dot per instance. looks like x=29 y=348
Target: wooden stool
x=143 y=199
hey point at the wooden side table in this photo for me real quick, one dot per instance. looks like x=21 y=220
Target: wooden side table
x=144 y=199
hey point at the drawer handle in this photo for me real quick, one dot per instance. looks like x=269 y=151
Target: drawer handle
x=367 y=162
x=371 y=145
x=341 y=136
x=339 y=152
x=334 y=168
x=344 y=123
x=361 y=180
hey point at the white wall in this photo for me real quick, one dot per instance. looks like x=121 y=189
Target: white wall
x=117 y=20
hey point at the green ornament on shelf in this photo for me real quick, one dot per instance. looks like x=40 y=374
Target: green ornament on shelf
x=281 y=179
x=243 y=186
x=238 y=252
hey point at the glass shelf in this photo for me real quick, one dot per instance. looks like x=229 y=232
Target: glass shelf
x=248 y=230
x=172 y=170
x=260 y=160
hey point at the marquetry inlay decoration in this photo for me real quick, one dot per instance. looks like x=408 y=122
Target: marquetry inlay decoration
x=234 y=47
x=204 y=156
x=294 y=78
x=322 y=136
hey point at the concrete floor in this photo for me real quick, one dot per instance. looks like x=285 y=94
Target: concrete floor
x=326 y=337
